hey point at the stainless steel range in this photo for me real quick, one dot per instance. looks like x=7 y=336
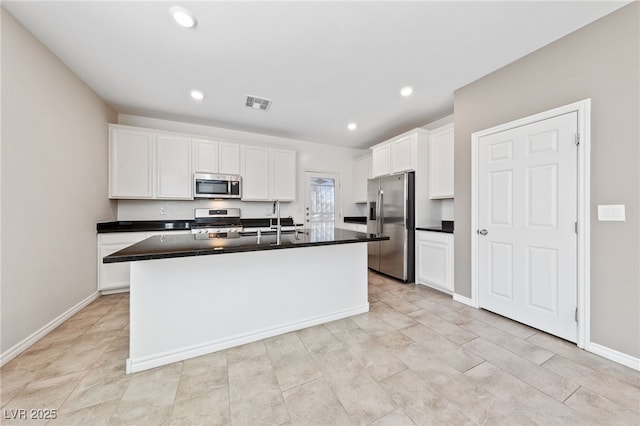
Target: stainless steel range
x=216 y=223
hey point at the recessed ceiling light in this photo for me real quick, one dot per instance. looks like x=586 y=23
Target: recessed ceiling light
x=197 y=95
x=183 y=17
x=406 y=91
x=352 y=126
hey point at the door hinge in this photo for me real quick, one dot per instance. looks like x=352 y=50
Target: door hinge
x=576 y=316
x=577 y=138
x=576 y=227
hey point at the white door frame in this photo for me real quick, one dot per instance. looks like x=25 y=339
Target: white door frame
x=583 y=109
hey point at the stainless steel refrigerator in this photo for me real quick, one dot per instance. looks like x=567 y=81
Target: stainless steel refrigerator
x=391 y=206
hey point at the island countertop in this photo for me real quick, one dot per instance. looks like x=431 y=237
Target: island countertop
x=171 y=246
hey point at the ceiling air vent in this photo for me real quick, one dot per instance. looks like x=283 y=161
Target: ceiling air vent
x=258 y=103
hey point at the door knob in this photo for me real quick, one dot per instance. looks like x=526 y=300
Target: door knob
x=482 y=231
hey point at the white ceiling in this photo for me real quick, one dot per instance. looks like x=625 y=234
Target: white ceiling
x=324 y=64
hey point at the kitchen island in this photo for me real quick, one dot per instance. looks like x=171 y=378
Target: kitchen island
x=192 y=297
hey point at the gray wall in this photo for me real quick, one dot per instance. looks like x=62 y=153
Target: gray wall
x=601 y=62
x=54 y=185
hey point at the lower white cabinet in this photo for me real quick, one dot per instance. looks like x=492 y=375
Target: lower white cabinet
x=114 y=277
x=358 y=227
x=434 y=260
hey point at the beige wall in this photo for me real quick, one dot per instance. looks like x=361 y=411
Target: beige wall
x=54 y=185
x=601 y=62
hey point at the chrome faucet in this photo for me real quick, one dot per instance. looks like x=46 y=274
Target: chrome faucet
x=276 y=211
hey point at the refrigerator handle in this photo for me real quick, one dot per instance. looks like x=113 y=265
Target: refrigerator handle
x=380 y=212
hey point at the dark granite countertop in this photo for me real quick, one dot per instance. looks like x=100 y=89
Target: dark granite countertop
x=446 y=227
x=436 y=229
x=144 y=225
x=360 y=220
x=176 y=225
x=169 y=246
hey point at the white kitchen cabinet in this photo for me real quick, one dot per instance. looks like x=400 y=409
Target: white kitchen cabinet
x=441 y=144
x=349 y=226
x=145 y=164
x=358 y=227
x=205 y=156
x=282 y=174
x=362 y=171
x=114 y=277
x=403 y=153
x=131 y=163
x=434 y=262
x=229 y=155
x=268 y=174
x=255 y=173
x=216 y=157
x=173 y=168
x=380 y=160
x=399 y=154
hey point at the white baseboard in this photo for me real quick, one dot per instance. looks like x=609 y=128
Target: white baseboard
x=17 y=349
x=463 y=299
x=141 y=364
x=613 y=355
x=114 y=291
x=436 y=287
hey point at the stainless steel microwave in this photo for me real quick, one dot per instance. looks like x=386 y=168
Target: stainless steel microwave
x=207 y=185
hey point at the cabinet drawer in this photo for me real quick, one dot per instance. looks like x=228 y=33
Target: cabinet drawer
x=436 y=237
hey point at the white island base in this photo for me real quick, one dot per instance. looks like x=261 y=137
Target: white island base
x=190 y=306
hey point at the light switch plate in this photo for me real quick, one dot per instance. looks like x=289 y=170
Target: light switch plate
x=612 y=212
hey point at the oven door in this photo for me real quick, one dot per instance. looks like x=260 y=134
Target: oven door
x=216 y=186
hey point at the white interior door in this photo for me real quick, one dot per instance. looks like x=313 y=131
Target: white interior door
x=322 y=201
x=527 y=213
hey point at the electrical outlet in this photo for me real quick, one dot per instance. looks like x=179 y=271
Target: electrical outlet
x=163 y=211
x=613 y=212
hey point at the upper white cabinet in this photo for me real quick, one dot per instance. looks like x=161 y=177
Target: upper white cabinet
x=152 y=164
x=396 y=155
x=216 y=157
x=282 y=174
x=205 y=156
x=255 y=173
x=268 y=174
x=441 y=160
x=229 y=155
x=403 y=153
x=381 y=160
x=131 y=163
x=362 y=172
x=147 y=164
x=173 y=166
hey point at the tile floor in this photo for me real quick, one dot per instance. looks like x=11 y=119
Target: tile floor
x=416 y=358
